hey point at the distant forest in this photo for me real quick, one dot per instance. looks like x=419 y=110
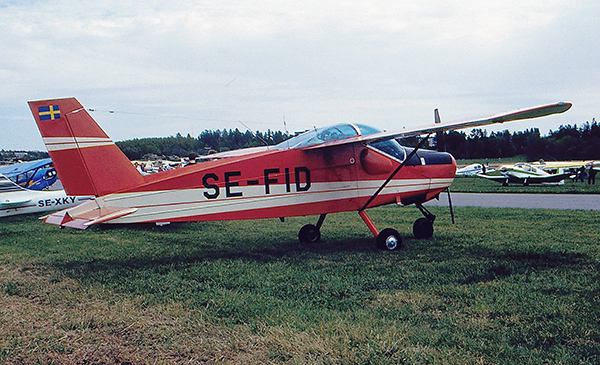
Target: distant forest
x=567 y=143
x=207 y=142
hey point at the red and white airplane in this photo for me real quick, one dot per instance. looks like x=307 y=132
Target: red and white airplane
x=345 y=167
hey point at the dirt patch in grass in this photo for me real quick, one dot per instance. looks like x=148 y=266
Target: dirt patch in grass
x=50 y=319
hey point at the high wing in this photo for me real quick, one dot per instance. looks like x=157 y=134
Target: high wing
x=554 y=165
x=527 y=113
x=19 y=168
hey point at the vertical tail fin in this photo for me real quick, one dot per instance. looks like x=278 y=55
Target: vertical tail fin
x=87 y=161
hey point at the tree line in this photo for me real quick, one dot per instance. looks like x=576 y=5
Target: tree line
x=207 y=142
x=567 y=143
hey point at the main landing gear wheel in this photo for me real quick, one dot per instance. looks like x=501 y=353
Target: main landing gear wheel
x=309 y=234
x=423 y=228
x=389 y=239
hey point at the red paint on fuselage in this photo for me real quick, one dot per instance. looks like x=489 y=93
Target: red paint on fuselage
x=280 y=172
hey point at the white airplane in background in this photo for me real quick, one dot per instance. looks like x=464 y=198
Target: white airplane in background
x=473 y=169
x=15 y=199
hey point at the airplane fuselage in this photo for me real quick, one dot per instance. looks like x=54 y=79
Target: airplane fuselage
x=283 y=183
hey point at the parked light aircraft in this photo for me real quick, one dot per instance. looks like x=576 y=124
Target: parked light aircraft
x=345 y=167
x=524 y=173
x=549 y=166
x=473 y=169
x=33 y=175
x=15 y=199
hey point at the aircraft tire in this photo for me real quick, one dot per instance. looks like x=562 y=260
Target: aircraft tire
x=309 y=234
x=389 y=240
x=423 y=228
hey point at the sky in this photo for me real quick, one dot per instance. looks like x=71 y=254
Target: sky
x=157 y=68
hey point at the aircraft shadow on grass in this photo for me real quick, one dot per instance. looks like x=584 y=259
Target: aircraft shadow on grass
x=507 y=263
x=494 y=264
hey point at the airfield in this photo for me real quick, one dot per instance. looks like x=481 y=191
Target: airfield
x=525 y=201
x=502 y=285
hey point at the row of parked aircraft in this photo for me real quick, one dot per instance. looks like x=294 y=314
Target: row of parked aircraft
x=541 y=172
x=345 y=167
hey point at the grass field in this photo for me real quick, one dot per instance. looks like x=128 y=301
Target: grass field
x=502 y=286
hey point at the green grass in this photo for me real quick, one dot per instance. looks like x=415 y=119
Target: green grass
x=474 y=184
x=502 y=286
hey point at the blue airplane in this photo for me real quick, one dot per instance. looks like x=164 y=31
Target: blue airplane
x=32 y=175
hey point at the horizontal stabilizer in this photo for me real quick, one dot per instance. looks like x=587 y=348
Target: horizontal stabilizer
x=7 y=204
x=86 y=214
x=110 y=216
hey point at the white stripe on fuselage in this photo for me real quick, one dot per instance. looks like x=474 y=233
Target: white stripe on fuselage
x=172 y=204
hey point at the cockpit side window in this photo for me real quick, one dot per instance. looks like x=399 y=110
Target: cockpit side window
x=390 y=147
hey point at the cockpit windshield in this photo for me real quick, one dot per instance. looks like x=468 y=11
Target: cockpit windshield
x=342 y=131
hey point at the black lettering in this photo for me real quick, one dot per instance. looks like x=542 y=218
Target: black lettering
x=48 y=202
x=268 y=181
x=306 y=171
x=253 y=182
x=57 y=201
x=72 y=199
x=287 y=180
x=40 y=203
x=210 y=186
x=229 y=184
x=65 y=200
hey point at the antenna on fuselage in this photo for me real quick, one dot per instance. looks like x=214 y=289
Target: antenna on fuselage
x=253 y=134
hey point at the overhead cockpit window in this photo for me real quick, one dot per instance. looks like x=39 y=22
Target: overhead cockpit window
x=318 y=136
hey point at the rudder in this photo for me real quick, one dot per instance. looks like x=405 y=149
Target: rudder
x=87 y=161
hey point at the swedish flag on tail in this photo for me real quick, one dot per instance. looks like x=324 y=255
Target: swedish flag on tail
x=49 y=112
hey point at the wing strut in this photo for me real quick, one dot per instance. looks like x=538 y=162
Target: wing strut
x=393 y=174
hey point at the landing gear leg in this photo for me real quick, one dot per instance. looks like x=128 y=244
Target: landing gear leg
x=389 y=239
x=423 y=227
x=311 y=233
